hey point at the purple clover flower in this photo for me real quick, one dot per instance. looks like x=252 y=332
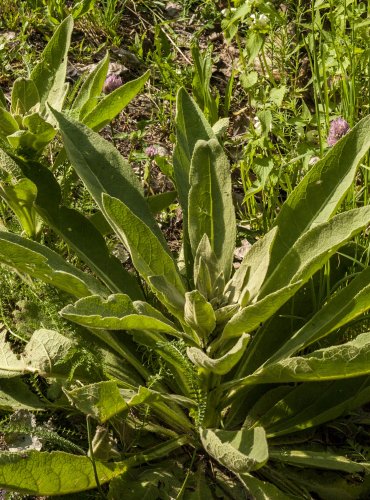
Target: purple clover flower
x=112 y=82
x=151 y=151
x=338 y=128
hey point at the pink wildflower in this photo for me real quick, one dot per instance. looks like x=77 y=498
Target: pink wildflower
x=112 y=82
x=338 y=128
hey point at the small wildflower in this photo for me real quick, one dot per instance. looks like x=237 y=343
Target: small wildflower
x=151 y=151
x=313 y=160
x=338 y=128
x=111 y=83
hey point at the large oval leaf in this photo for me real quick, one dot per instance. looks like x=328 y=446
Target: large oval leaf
x=40 y=262
x=211 y=209
x=55 y=473
x=239 y=451
x=320 y=192
x=117 y=312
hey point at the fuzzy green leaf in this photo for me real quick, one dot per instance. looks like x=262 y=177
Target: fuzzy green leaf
x=310 y=404
x=149 y=256
x=207 y=277
x=199 y=314
x=109 y=107
x=55 y=473
x=191 y=126
x=117 y=312
x=8 y=124
x=104 y=170
x=90 y=91
x=222 y=365
x=250 y=317
x=308 y=254
x=11 y=365
x=77 y=231
x=321 y=191
x=102 y=400
x=347 y=304
x=314 y=248
x=318 y=459
x=17 y=395
x=211 y=209
x=262 y=490
x=20 y=197
x=24 y=96
x=46 y=353
x=50 y=73
x=351 y=359
x=253 y=269
x=239 y=451
x=40 y=262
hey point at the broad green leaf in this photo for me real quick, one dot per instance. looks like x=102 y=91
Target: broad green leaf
x=161 y=201
x=320 y=459
x=307 y=255
x=321 y=191
x=148 y=483
x=20 y=197
x=169 y=413
x=211 y=209
x=199 y=314
x=43 y=354
x=109 y=107
x=9 y=166
x=351 y=359
x=347 y=304
x=8 y=124
x=252 y=271
x=90 y=91
x=249 y=318
x=77 y=231
x=263 y=405
x=102 y=400
x=117 y=312
x=262 y=490
x=50 y=73
x=207 y=277
x=3 y=103
x=169 y=295
x=28 y=143
x=17 y=395
x=147 y=396
x=82 y=7
x=149 y=256
x=239 y=451
x=47 y=353
x=40 y=262
x=103 y=170
x=202 y=490
x=55 y=473
x=38 y=126
x=147 y=310
x=11 y=365
x=222 y=365
x=220 y=127
x=191 y=126
x=331 y=485
x=311 y=403
x=24 y=96
x=314 y=248
x=101 y=223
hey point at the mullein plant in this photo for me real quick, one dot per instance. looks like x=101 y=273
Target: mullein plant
x=219 y=377
x=27 y=125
